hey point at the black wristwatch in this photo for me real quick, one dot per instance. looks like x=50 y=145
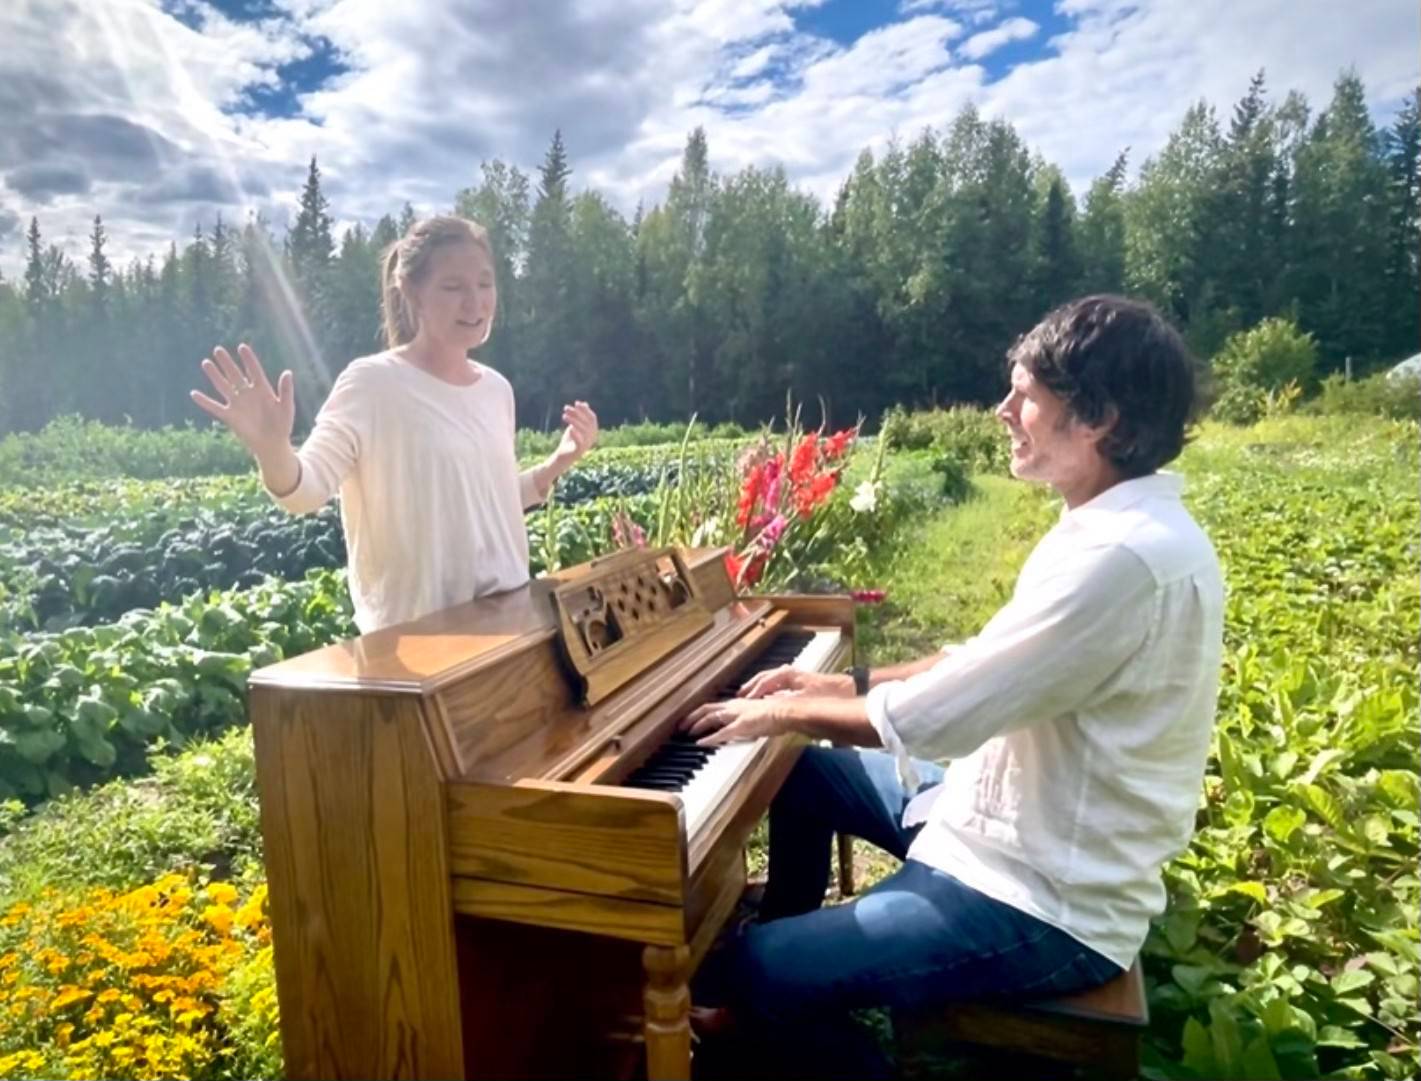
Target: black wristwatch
x=860 y=674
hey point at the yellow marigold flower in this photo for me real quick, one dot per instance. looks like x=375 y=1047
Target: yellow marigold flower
x=17 y=912
x=109 y=994
x=6 y=960
x=222 y=893
x=219 y=917
x=64 y=1033
x=68 y=995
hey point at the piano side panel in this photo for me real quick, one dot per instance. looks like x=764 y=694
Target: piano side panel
x=357 y=864
x=806 y=609
x=706 y=567
x=613 y=843
x=511 y=714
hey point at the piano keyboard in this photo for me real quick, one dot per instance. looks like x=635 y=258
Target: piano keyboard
x=702 y=776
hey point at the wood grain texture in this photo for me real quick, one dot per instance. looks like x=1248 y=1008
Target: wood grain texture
x=451 y=865
x=427 y=653
x=668 y=1013
x=510 y=718
x=1099 y=1028
x=623 y=615
x=357 y=865
x=609 y=842
x=611 y=917
x=707 y=570
x=829 y=610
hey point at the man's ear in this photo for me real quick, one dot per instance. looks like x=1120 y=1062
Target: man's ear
x=1105 y=426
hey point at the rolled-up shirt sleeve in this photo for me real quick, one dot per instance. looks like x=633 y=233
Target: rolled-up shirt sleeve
x=528 y=490
x=333 y=447
x=1041 y=656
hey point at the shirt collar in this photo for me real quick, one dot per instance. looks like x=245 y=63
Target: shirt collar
x=1127 y=493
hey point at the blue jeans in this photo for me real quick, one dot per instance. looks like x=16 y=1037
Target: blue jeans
x=917 y=940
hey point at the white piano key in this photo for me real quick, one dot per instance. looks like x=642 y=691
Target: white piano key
x=714 y=780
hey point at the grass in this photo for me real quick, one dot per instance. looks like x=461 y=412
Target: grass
x=947 y=576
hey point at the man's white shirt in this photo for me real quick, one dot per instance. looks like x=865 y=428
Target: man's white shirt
x=1078 y=720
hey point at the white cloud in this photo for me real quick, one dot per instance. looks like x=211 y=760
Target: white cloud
x=989 y=41
x=119 y=109
x=975 y=11
x=1126 y=72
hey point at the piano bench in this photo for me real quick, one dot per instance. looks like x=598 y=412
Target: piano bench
x=1099 y=1028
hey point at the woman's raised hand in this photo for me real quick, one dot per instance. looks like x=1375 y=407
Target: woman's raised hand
x=580 y=433
x=261 y=417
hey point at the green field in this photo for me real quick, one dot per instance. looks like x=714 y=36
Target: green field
x=1290 y=947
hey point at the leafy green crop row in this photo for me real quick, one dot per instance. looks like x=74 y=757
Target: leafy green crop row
x=86 y=703
x=156 y=542
x=1290 y=948
x=57 y=578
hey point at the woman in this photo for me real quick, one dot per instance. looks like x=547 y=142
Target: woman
x=419 y=439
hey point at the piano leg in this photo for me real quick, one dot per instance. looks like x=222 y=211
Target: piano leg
x=846 y=865
x=667 y=1001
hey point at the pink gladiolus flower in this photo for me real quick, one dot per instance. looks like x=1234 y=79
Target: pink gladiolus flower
x=771 y=534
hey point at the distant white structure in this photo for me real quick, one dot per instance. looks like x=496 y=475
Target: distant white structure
x=1410 y=368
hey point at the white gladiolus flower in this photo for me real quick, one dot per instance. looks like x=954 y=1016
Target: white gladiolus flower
x=705 y=533
x=865 y=497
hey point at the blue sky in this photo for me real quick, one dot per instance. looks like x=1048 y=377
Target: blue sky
x=161 y=114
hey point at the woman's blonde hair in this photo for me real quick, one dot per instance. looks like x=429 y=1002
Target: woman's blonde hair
x=405 y=264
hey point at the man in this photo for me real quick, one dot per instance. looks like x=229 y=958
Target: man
x=1077 y=723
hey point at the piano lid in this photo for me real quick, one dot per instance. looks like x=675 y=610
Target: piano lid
x=422 y=655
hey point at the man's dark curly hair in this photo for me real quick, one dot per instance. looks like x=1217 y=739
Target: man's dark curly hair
x=1108 y=353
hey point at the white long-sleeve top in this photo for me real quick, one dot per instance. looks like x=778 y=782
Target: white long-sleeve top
x=431 y=498
x=1078 y=720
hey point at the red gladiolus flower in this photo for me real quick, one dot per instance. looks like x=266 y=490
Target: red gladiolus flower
x=732 y=567
x=801 y=464
x=868 y=596
x=837 y=443
x=749 y=494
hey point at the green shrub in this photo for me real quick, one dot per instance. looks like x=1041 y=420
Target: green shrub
x=1397 y=398
x=955 y=484
x=969 y=434
x=1267 y=357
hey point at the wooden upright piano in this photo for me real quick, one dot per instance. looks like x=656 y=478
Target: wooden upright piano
x=488 y=853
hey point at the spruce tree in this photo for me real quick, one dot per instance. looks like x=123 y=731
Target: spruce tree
x=310 y=244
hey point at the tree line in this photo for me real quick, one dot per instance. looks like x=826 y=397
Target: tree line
x=932 y=257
